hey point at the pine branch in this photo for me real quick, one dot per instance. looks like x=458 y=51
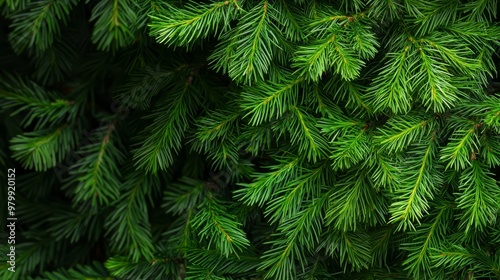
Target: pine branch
x=156 y=269
x=39 y=24
x=264 y=184
x=303 y=229
x=256 y=45
x=290 y=198
x=171 y=118
x=95 y=176
x=219 y=227
x=353 y=248
x=94 y=271
x=401 y=131
x=37 y=104
x=418 y=184
x=462 y=144
x=115 y=24
x=353 y=202
x=182 y=27
x=128 y=224
x=432 y=15
x=324 y=54
x=427 y=236
x=350 y=92
x=303 y=131
x=266 y=101
x=477 y=197
x=184 y=196
x=43 y=149
x=392 y=88
x=207 y=263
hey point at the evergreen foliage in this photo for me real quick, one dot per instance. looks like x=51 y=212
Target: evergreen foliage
x=245 y=139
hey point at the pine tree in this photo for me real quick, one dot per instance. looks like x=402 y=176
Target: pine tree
x=245 y=139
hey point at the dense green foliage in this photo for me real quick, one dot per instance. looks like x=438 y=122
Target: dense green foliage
x=245 y=139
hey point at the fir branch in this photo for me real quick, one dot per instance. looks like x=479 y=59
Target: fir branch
x=216 y=124
x=72 y=225
x=287 y=16
x=56 y=62
x=350 y=149
x=457 y=258
x=142 y=86
x=14 y=5
x=223 y=55
x=257 y=138
x=490 y=149
x=339 y=124
x=32 y=255
x=481 y=10
x=431 y=15
x=384 y=172
x=386 y=10
x=454 y=52
x=350 y=92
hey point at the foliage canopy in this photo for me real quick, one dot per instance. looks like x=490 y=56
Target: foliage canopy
x=252 y=139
